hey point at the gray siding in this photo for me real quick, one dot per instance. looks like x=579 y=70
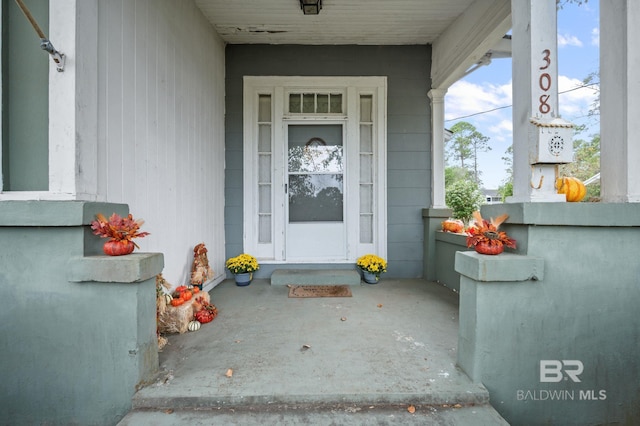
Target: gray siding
x=407 y=69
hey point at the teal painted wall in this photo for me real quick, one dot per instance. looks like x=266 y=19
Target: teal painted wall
x=583 y=308
x=447 y=245
x=77 y=331
x=408 y=132
x=25 y=99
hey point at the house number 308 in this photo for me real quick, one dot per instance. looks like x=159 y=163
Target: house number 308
x=545 y=82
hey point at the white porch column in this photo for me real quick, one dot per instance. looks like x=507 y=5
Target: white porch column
x=619 y=101
x=437 y=147
x=535 y=95
x=73 y=103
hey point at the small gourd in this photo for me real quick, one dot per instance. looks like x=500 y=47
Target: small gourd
x=573 y=188
x=452 y=225
x=194 y=325
x=168 y=298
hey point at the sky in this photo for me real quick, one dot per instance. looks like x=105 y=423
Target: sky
x=483 y=98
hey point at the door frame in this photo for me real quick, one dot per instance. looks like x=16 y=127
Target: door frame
x=277 y=89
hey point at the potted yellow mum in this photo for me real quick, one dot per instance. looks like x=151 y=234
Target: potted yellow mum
x=243 y=267
x=372 y=266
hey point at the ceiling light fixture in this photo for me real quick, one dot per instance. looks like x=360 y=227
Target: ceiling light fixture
x=311 y=7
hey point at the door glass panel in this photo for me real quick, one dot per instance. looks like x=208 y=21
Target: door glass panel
x=336 y=103
x=264 y=108
x=315 y=167
x=323 y=103
x=295 y=103
x=315 y=198
x=264 y=168
x=309 y=103
x=366 y=102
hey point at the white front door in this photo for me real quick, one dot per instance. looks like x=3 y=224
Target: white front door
x=315 y=187
x=313 y=169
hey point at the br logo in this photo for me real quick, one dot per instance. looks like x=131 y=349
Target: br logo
x=554 y=370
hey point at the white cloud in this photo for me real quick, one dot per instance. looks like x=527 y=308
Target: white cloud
x=595 y=37
x=574 y=104
x=568 y=40
x=465 y=98
x=503 y=127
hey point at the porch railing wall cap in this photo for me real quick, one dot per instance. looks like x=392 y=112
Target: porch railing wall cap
x=131 y=268
x=499 y=268
x=567 y=214
x=55 y=213
x=437 y=212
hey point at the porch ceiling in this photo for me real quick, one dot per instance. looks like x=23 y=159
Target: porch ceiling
x=364 y=22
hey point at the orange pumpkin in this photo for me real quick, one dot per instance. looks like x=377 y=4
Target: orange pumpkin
x=118 y=248
x=451 y=225
x=573 y=188
x=177 y=302
x=186 y=295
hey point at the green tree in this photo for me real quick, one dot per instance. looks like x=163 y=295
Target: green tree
x=454 y=174
x=506 y=189
x=465 y=145
x=463 y=197
x=586 y=164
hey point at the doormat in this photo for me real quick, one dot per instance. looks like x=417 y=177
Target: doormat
x=319 y=291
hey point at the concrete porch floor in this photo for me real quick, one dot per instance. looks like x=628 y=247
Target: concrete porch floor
x=353 y=360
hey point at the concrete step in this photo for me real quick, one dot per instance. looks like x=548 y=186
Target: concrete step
x=345 y=415
x=449 y=405
x=315 y=277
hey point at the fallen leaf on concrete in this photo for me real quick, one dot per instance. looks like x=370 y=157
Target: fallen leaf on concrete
x=229 y=373
x=411 y=409
x=169 y=411
x=457 y=406
x=305 y=347
x=343 y=319
x=445 y=405
x=379 y=305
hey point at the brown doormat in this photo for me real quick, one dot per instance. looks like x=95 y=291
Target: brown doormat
x=319 y=291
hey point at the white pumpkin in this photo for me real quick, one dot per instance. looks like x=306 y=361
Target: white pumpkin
x=168 y=298
x=194 y=325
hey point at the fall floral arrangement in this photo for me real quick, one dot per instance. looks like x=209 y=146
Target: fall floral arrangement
x=372 y=263
x=242 y=264
x=118 y=229
x=485 y=237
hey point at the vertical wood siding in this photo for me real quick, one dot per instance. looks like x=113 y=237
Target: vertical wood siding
x=161 y=126
x=408 y=130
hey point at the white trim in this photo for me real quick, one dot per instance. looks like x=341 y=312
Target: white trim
x=72 y=107
x=278 y=87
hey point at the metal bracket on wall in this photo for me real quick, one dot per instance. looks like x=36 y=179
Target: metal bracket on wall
x=45 y=44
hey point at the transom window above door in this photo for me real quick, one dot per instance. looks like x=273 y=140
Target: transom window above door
x=315 y=103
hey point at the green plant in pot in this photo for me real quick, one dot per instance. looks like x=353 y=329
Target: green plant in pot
x=372 y=267
x=242 y=267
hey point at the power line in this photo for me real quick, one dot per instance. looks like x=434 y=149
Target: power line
x=584 y=86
